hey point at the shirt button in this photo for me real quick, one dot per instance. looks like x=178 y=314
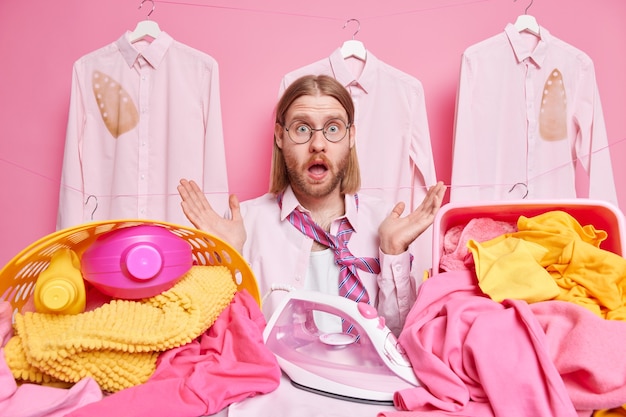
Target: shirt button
x=297 y=277
x=398 y=268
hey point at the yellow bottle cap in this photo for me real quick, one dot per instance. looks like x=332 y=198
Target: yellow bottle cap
x=58 y=295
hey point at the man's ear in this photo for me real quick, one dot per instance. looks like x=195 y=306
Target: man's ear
x=278 y=135
x=352 y=134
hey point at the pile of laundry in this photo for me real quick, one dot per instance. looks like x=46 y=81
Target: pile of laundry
x=176 y=353
x=533 y=326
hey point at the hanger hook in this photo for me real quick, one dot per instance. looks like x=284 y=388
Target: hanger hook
x=96 y=207
x=358 y=27
x=153 y=6
x=525 y=189
x=527 y=7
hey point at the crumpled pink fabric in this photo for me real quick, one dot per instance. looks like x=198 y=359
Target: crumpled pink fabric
x=228 y=363
x=588 y=351
x=32 y=400
x=6 y=324
x=476 y=357
x=455 y=254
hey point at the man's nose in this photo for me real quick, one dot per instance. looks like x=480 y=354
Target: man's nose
x=318 y=140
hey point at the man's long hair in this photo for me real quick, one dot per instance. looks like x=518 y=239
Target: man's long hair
x=312 y=85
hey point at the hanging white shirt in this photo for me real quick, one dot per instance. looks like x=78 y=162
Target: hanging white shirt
x=392 y=134
x=142 y=116
x=527 y=109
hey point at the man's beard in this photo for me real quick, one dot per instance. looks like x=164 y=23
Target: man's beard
x=299 y=180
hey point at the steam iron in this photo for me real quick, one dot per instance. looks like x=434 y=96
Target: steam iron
x=368 y=368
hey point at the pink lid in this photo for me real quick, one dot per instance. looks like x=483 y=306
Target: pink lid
x=136 y=262
x=143 y=261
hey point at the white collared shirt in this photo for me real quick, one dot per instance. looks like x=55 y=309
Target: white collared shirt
x=279 y=253
x=142 y=116
x=526 y=110
x=392 y=134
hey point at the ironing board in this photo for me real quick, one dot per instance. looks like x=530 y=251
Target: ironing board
x=289 y=401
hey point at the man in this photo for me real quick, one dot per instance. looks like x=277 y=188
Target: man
x=315 y=171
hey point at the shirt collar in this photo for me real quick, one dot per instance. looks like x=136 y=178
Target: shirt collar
x=290 y=203
x=342 y=73
x=152 y=53
x=521 y=48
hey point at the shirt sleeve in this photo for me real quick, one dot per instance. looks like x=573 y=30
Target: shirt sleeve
x=464 y=173
x=215 y=178
x=422 y=161
x=71 y=193
x=592 y=147
x=397 y=289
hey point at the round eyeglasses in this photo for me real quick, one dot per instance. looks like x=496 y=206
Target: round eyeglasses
x=334 y=130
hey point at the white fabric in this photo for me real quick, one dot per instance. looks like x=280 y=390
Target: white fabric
x=527 y=109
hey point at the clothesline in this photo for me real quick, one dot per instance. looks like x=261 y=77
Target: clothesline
x=278 y=12
x=56 y=182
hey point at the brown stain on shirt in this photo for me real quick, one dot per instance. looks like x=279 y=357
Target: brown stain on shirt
x=117 y=108
x=553 y=114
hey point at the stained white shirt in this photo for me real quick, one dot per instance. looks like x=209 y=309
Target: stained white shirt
x=527 y=109
x=142 y=115
x=392 y=135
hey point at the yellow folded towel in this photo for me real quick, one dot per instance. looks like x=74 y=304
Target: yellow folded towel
x=118 y=343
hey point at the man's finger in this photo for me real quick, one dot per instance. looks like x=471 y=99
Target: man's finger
x=398 y=209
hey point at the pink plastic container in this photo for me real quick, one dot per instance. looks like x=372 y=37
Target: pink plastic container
x=600 y=214
x=136 y=262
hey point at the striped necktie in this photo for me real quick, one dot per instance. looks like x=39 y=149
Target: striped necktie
x=350 y=285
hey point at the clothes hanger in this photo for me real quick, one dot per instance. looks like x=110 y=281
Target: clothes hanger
x=352 y=47
x=145 y=28
x=526 y=22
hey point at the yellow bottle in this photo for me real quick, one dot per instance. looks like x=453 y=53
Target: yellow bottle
x=60 y=287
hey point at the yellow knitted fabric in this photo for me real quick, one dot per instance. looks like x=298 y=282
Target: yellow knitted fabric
x=118 y=343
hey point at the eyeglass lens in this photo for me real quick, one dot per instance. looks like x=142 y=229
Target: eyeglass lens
x=334 y=130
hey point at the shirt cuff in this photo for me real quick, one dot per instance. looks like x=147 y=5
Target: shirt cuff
x=393 y=267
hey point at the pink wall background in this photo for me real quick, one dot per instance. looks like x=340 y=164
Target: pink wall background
x=255 y=44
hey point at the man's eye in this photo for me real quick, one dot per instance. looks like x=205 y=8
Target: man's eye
x=303 y=129
x=332 y=129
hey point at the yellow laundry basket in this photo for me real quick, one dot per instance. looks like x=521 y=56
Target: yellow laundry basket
x=18 y=277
